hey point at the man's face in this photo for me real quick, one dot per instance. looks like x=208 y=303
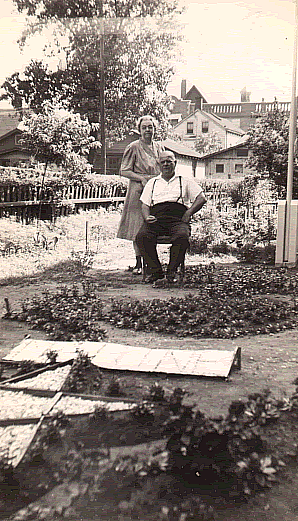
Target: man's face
x=167 y=163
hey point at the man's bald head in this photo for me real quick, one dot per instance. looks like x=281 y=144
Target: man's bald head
x=167 y=154
x=167 y=163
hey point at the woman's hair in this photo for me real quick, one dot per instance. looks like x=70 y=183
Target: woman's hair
x=154 y=122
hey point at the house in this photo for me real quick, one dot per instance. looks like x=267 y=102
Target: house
x=189 y=102
x=242 y=114
x=11 y=153
x=201 y=123
x=9 y=120
x=229 y=163
x=187 y=159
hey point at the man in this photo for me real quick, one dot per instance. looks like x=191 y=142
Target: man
x=164 y=209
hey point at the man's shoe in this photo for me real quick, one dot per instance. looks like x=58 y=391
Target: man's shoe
x=171 y=278
x=154 y=277
x=161 y=283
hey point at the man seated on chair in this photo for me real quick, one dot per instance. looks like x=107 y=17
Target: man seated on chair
x=167 y=211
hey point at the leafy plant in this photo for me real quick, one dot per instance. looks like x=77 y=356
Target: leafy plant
x=82 y=261
x=114 y=388
x=227 y=454
x=68 y=314
x=143 y=413
x=51 y=355
x=99 y=415
x=84 y=377
x=156 y=393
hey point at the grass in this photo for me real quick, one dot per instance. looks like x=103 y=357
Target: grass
x=109 y=252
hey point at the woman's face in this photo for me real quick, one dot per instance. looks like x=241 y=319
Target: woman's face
x=147 y=129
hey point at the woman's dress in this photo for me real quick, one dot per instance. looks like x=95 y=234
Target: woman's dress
x=142 y=159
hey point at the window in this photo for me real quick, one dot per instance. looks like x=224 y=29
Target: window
x=189 y=128
x=17 y=139
x=239 y=169
x=242 y=152
x=205 y=127
x=219 y=168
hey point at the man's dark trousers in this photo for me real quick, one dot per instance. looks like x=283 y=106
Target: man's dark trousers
x=168 y=223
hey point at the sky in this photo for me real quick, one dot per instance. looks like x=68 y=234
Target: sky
x=228 y=45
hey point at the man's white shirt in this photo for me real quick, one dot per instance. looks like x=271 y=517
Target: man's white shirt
x=169 y=191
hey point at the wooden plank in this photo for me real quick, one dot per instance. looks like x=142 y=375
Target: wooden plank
x=109 y=355
x=53 y=402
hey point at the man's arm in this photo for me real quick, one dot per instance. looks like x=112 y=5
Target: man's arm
x=146 y=214
x=198 y=203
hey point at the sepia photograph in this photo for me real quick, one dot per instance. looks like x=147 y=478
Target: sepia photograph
x=148 y=260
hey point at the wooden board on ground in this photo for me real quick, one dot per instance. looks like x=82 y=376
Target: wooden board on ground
x=108 y=355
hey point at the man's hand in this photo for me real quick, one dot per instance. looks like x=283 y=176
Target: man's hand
x=186 y=217
x=151 y=219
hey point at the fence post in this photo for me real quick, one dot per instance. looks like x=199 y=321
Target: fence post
x=86 y=235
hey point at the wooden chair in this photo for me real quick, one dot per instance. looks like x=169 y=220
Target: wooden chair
x=166 y=239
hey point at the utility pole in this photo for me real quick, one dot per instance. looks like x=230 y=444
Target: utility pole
x=102 y=107
x=292 y=138
x=286 y=247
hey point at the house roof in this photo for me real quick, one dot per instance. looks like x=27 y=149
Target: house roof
x=9 y=120
x=242 y=142
x=193 y=91
x=180 y=149
x=224 y=123
x=15 y=130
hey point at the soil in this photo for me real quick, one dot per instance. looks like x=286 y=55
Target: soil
x=268 y=361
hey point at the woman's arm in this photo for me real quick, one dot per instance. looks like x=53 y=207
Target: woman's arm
x=142 y=178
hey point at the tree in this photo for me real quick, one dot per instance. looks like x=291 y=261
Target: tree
x=139 y=57
x=269 y=143
x=57 y=135
x=208 y=144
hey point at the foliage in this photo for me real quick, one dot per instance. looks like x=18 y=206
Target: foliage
x=268 y=141
x=68 y=315
x=227 y=304
x=208 y=144
x=114 y=388
x=50 y=9
x=226 y=455
x=98 y=416
x=230 y=228
x=143 y=413
x=57 y=135
x=84 y=377
x=82 y=261
x=140 y=50
x=156 y=393
x=51 y=355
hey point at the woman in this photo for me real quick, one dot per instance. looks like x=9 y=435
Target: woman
x=139 y=164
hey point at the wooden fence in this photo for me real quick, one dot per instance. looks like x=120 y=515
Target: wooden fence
x=29 y=202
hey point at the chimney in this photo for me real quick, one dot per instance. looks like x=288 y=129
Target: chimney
x=245 y=96
x=183 y=89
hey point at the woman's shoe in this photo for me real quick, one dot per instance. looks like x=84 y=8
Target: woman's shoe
x=137 y=270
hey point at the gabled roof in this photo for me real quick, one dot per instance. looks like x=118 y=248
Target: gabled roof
x=194 y=93
x=16 y=130
x=224 y=123
x=242 y=142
